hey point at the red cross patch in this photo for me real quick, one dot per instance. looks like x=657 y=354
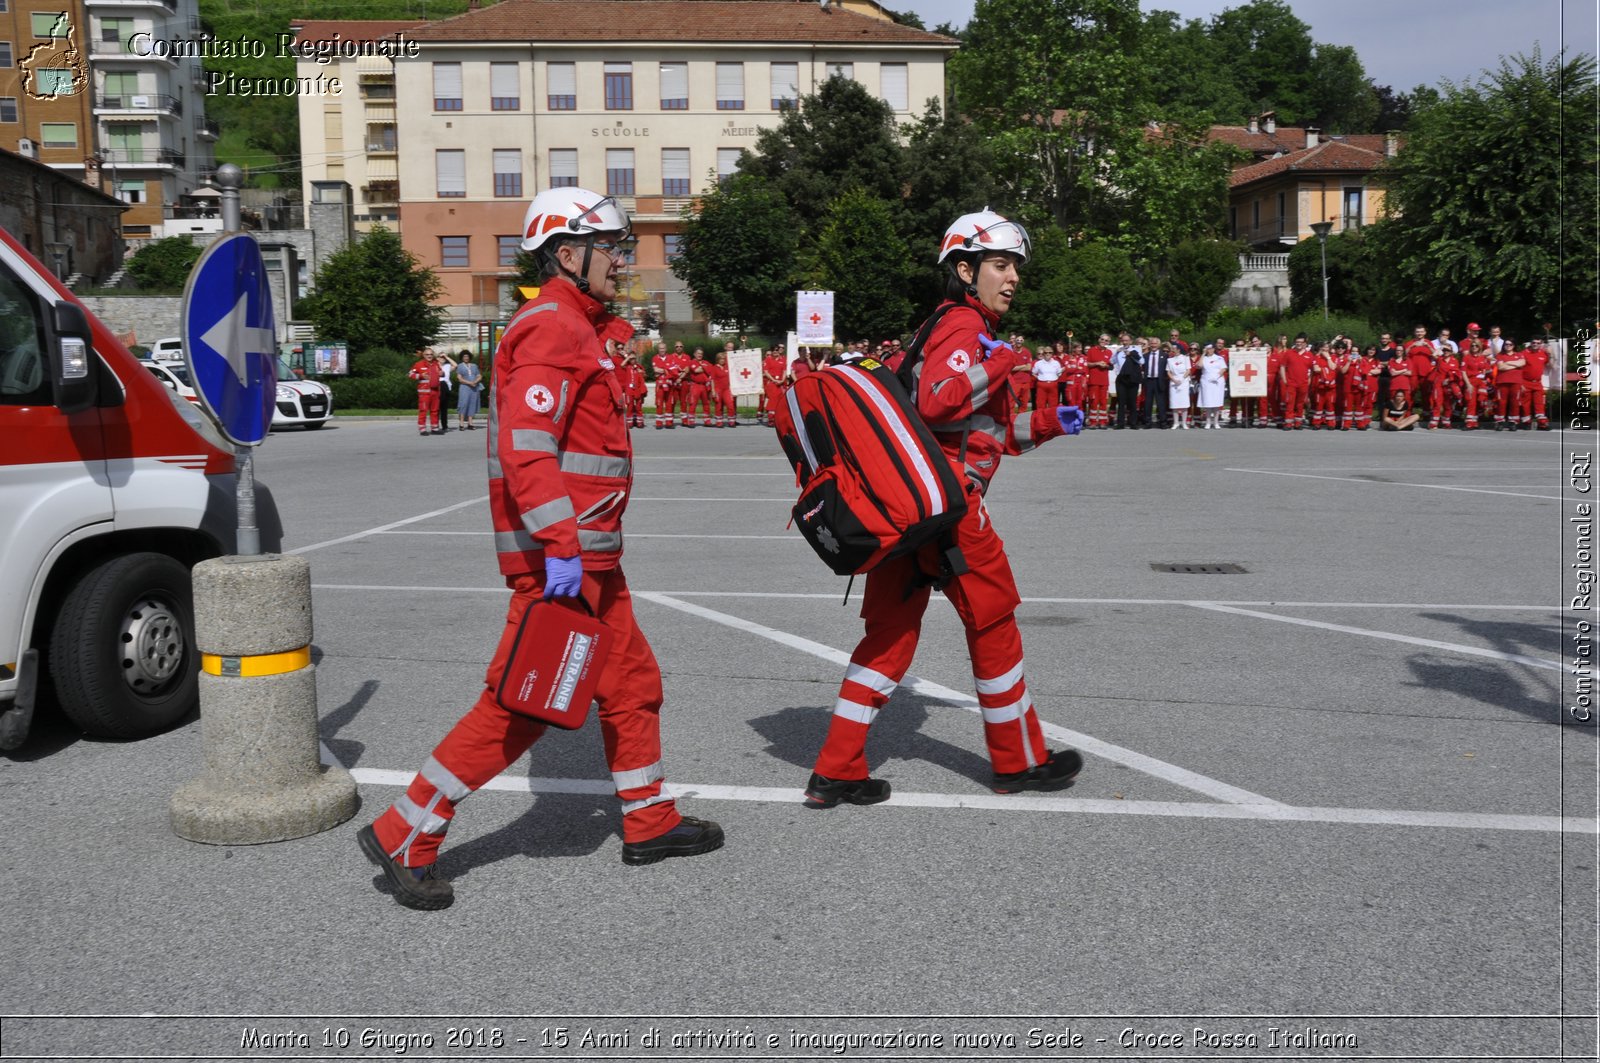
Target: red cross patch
x=960 y=361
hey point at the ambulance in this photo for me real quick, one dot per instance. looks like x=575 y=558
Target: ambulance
x=111 y=490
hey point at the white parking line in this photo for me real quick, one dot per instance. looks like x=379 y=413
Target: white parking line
x=1160 y=769
x=1394 y=483
x=387 y=527
x=1453 y=647
x=631 y=535
x=1379 y=817
x=701 y=498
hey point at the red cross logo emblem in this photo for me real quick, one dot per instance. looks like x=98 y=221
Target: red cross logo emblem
x=1248 y=371
x=744 y=374
x=816 y=318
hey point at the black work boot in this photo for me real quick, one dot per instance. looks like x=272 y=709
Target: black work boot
x=823 y=792
x=689 y=838
x=1056 y=773
x=422 y=888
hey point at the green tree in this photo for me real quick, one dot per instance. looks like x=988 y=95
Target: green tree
x=1270 y=51
x=1057 y=87
x=375 y=293
x=737 y=254
x=1082 y=288
x=839 y=137
x=860 y=257
x=1352 y=276
x=1491 y=206
x=1187 y=73
x=1340 y=95
x=1195 y=274
x=950 y=172
x=1169 y=186
x=163 y=263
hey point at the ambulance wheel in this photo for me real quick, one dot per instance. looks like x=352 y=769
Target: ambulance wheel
x=122 y=650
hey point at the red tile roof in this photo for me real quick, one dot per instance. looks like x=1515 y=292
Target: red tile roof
x=608 y=21
x=317 y=31
x=1330 y=156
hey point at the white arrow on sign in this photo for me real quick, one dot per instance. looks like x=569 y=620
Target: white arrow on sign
x=235 y=338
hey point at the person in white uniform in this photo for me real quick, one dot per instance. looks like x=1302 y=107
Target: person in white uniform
x=1213 y=386
x=1178 y=387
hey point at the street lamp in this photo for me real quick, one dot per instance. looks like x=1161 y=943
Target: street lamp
x=1322 y=228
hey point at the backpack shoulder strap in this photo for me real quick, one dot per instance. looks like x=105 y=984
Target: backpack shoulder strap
x=908 y=365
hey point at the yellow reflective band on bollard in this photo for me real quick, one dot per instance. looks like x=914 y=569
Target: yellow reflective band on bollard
x=251 y=667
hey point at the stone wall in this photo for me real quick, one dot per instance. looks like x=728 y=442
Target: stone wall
x=149 y=318
x=1263 y=282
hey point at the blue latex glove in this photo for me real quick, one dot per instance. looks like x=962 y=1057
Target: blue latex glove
x=990 y=346
x=563 y=577
x=1071 y=419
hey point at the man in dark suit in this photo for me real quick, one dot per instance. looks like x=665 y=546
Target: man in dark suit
x=1128 y=378
x=1154 y=384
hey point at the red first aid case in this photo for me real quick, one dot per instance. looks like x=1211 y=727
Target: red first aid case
x=555 y=664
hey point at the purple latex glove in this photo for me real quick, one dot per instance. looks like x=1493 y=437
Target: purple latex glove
x=1071 y=419
x=990 y=346
x=563 y=577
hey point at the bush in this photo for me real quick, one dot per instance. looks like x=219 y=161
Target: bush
x=378 y=361
x=1357 y=329
x=163 y=264
x=386 y=389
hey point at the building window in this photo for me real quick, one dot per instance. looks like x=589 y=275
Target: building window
x=505 y=88
x=619 y=171
x=674 y=86
x=1352 y=209
x=785 y=86
x=672 y=244
x=116 y=31
x=447 y=86
x=381 y=136
x=8 y=108
x=59 y=134
x=5 y=54
x=840 y=70
x=894 y=86
x=453 y=252
x=674 y=171
x=48 y=25
x=730 y=86
x=450 y=168
x=619 y=86
x=53 y=82
x=1282 y=214
x=131 y=191
x=509 y=247
x=727 y=163
x=563 y=167
x=507 y=172
x=1255 y=219
x=561 y=86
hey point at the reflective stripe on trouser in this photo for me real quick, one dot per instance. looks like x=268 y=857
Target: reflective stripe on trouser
x=985 y=599
x=427 y=408
x=488 y=739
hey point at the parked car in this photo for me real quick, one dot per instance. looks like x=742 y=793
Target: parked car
x=307 y=403
x=169 y=349
x=175 y=375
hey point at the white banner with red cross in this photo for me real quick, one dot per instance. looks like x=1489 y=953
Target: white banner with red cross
x=813 y=313
x=1247 y=372
x=744 y=371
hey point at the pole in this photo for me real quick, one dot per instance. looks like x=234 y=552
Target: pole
x=247 y=540
x=1324 y=242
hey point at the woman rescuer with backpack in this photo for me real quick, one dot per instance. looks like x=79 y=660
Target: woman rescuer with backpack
x=962 y=390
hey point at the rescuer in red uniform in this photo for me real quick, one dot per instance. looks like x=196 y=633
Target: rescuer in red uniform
x=426 y=373
x=963 y=393
x=560 y=471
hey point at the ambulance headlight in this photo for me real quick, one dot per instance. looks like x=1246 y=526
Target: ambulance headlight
x=285 y=394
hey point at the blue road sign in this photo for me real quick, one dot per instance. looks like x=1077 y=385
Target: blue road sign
x=228 y=337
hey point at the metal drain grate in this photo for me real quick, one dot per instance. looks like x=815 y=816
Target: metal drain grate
x=1200 y=568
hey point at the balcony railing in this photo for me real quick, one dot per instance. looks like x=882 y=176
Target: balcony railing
x=140 y=101
x=209 y=128
x=121 y=50
x=1253 y=263
x=381 y=193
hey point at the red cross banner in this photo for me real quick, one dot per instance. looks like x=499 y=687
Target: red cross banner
x=744 y=371
x=1247 y=372
x=814 y=318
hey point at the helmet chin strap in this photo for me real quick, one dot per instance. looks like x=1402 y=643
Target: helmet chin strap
x=580 y=280
x=972 y=288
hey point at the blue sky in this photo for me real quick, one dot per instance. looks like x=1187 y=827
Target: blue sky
x=1403 y=43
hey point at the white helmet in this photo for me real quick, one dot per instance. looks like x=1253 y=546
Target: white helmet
x=570 y=212
x=982 y=232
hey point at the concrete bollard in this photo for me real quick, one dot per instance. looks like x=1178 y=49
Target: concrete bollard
x=258 y=709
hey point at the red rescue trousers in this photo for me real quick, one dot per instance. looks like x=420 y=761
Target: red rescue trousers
x=1513 y=401
x=1322 y=400
x=1535 y=399
x=724 y=403
x=1047 y=393
x=1095 y=398
x=986 y=599
x=1293 y=397
x=489 y=739
x=699 y=398
x=427 y=407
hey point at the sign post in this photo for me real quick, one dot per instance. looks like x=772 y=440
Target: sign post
x=230 y=345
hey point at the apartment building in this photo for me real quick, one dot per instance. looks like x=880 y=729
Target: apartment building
x=44 y=103
x=648 y=100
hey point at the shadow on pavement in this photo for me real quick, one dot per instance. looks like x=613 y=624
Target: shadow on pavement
x=794 y=735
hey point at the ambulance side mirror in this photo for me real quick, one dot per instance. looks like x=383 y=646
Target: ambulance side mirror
x=72 y=358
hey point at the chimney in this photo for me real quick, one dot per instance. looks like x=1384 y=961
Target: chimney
x=1255 y=126
x=1271 y=118
x=1391 y=144
x=1312 y=136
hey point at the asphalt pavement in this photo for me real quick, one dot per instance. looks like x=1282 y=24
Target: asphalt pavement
x=1332 y=807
